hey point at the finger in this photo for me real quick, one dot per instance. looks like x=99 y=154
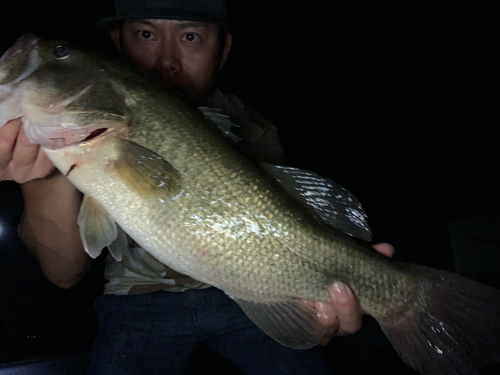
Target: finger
x=25 y=152
x=309 y=302
x=43 y=165
x=326 y=313
x=385 y=248
x=347 y=309
x=8 y=136
x=330 y=333
x=327 y=316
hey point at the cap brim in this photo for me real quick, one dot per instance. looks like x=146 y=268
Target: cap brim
x=114 y=22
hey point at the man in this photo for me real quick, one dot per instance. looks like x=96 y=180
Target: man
x=151 y=317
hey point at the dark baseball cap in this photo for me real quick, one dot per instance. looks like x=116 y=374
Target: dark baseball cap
x=209 y=11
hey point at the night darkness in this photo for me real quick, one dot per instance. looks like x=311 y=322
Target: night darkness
x=398 y=101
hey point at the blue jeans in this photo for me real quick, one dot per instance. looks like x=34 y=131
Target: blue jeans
x=156 y=333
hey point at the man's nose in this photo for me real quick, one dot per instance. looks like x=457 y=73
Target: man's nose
x=169 y=58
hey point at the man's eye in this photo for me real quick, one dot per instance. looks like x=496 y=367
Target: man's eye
x=191 y=37
x=145 y=34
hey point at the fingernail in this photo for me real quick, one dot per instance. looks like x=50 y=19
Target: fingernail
x=340 y=293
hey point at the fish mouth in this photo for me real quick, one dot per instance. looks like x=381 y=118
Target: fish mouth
x=68 y=140
x=94 y=134
x=56 y=137
x=52 y=127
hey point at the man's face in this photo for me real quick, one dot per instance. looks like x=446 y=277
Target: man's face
x=186 y=55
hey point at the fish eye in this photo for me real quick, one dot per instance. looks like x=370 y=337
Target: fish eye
x=61 y=51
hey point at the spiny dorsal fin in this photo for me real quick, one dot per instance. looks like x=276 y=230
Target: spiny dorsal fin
x=220 y=121
x=327 y=200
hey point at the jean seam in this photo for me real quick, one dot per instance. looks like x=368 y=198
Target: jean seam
x=195 y=312
x=183 y=357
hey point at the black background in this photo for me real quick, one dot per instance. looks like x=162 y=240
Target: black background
x=395 y=100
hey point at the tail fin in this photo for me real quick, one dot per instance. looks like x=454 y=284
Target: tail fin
x=457 y=332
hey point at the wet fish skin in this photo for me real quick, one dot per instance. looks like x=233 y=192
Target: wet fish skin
x=191 y=199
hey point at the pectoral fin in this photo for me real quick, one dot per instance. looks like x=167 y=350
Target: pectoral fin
x=146 y=172
x=292 y=323
x=97 y=230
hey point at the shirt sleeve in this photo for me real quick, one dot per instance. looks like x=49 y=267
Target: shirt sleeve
x=259 y=136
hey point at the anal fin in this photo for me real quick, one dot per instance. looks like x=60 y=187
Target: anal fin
x=292 y=323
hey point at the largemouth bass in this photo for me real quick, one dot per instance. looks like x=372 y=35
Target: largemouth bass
x=271 y=237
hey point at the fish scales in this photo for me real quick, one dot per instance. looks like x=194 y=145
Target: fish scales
x=211 y=163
